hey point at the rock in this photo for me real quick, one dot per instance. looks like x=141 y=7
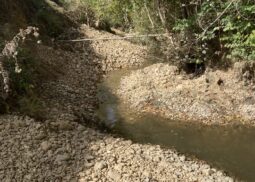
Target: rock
x=118 y=167
x=147 y=174
x=50 y=153
x=114 y=175
x=62 y=157
x=40 y=136
x=95 y=147
x=157 y=158
x=28 y=177
x=2 y=127
x=45 y=145
x=100 y=165
x=208 y=172
x=182 y=158
x=88 y=165
x=65 y=125
x=89 y=157
x=81 y=128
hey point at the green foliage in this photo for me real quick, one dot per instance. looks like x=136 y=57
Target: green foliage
x=182 y=25
x=114 y=12
x=227 y=27
x=238 y=36
x=235 y=28
x=128 y=15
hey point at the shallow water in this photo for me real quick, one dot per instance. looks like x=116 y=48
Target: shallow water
x=231 y=149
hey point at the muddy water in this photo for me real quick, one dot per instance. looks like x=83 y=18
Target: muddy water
x=231 y=149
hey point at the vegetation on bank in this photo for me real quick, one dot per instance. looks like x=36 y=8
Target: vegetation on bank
x=200 y=32
x=20 y=67
x=204 y=30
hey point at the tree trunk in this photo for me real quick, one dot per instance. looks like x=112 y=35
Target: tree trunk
x=148 y=14
x=161 y=15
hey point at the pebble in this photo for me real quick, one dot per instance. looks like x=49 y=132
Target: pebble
x=118 y=167
x=40 y=136
x=45 y=145
x=182 y=158
x=100 y=165
x=62 y=157
x=65 y=125
x=115 y=175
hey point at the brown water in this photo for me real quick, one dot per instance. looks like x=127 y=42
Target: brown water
x=229 y=148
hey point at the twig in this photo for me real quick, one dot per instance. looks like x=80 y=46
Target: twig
x=10 y=51
x=222 y=13
x=148 y=14
x=115 y=38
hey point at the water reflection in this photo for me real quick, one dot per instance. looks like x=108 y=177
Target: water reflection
x=228 y=148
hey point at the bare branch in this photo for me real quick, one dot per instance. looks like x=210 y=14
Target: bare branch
x=10 y=51
x=221 y=14
x=116 y=38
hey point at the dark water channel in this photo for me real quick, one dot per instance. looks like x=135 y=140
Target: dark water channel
x=231 y=148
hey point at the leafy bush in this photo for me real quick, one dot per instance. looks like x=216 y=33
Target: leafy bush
x=24 y=95
x=229 y=24
x=204 y=30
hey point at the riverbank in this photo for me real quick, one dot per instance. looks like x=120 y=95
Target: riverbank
x=68 y=151
x=63 y=148
x=216 y=97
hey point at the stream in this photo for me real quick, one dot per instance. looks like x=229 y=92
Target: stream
x=230 y=148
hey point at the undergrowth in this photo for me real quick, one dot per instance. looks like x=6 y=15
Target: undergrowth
x=24 y=97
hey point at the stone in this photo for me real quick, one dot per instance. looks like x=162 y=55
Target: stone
x=81 y=128
x=40 y=136
x=89 y=157
x=45 y=145
x=114 y=175
x=208 y=172
x=182 y=158
x=88 y=165
x=28 y=177
x=100 y=165
x=62 y=157
x=147 y=174
x=65 y=125
x=118 y=167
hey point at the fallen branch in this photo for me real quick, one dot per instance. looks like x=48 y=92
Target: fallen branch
x=116 y=38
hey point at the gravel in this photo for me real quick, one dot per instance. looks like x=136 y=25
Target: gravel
x=89 y=156
x=62 y=149
x=174 y=95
